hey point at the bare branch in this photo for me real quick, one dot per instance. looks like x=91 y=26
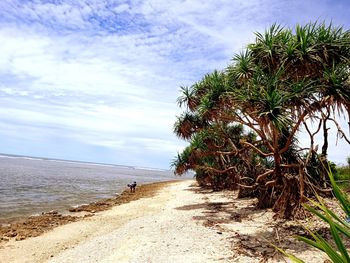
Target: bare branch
x=262 y=176
x=252 y=126
x=317 y=130
x=215 y=170
x=227 y=153
x=294 y=130
x=243 y=178
x=302 y=149
x=258 y=150
x=232 y=144
x=294 y=165
x=270 y=183
x=342 y=134
x=247 y=186
x=319 y=189
x=314 y=105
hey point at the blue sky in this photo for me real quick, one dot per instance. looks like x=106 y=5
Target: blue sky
x=97 y=80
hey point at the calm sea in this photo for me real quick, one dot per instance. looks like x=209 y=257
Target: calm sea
x=30 y=186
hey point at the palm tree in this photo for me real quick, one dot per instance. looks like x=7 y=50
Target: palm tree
x=215 y=151
x=282 y=79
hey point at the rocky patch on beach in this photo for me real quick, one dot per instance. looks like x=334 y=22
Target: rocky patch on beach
x=147 y=190
x=33 y=226
x=36 y=225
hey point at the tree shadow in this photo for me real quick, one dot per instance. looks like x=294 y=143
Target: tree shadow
x=260 y=242
x=214 y=211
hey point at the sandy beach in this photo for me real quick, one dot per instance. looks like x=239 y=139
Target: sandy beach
x=180 y=223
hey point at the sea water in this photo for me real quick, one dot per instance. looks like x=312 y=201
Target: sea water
x=29 y=186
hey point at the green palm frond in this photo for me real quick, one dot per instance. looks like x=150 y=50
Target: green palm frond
x=187 y=98
x=243 y=66
x=273 y=103
x=187 y=124
x=336 y=225
x=266 y=43
x=181 y=163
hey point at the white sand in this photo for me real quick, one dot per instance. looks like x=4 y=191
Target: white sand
x=165 y=228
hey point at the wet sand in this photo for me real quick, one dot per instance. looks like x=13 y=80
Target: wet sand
x=22 y=228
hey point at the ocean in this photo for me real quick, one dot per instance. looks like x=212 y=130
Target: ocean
x=29 y=186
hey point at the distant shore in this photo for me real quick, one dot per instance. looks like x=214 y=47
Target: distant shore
x=165 y=222
x=7 y=155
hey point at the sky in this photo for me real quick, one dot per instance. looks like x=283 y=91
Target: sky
x=97 y=80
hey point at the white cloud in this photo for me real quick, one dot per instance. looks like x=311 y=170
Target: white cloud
x=107 y=73
x=121 y=8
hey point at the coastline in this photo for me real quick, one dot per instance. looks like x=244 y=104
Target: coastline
x=179 y=222
x=21 y=228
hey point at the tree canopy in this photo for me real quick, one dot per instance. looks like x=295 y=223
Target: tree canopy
x=242 y=122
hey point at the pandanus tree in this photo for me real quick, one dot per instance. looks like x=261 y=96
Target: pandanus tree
x=283 y=79
x=279 y=84
x=215 y=151
x=218 y=157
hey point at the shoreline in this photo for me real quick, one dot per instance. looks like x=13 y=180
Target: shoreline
x=23 y=227
x=179 y=222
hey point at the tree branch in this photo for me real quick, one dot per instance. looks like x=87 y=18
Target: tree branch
x=342 y=134
x=270 y=183
x=258 y=150
x=262 y=176
x=290 y=165
x=215 y=170
x=313 y=106
x=247 y=186
x=294 y=130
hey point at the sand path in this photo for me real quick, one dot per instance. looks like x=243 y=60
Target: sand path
x=146 y=230
x=179 y=224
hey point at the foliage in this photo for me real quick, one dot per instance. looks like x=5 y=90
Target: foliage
x=343 y=173
x=283 y=80
x=339 y=228
x=342 y=177
x=213 y=153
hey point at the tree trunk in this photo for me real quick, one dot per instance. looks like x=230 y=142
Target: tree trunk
x=325 y=137
x=288 y=203
x=324 y=160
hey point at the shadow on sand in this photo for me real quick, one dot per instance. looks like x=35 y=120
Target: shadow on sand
x=251 y=231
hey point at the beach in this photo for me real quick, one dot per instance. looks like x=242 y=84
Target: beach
x=177 y=222
x=30 y=186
